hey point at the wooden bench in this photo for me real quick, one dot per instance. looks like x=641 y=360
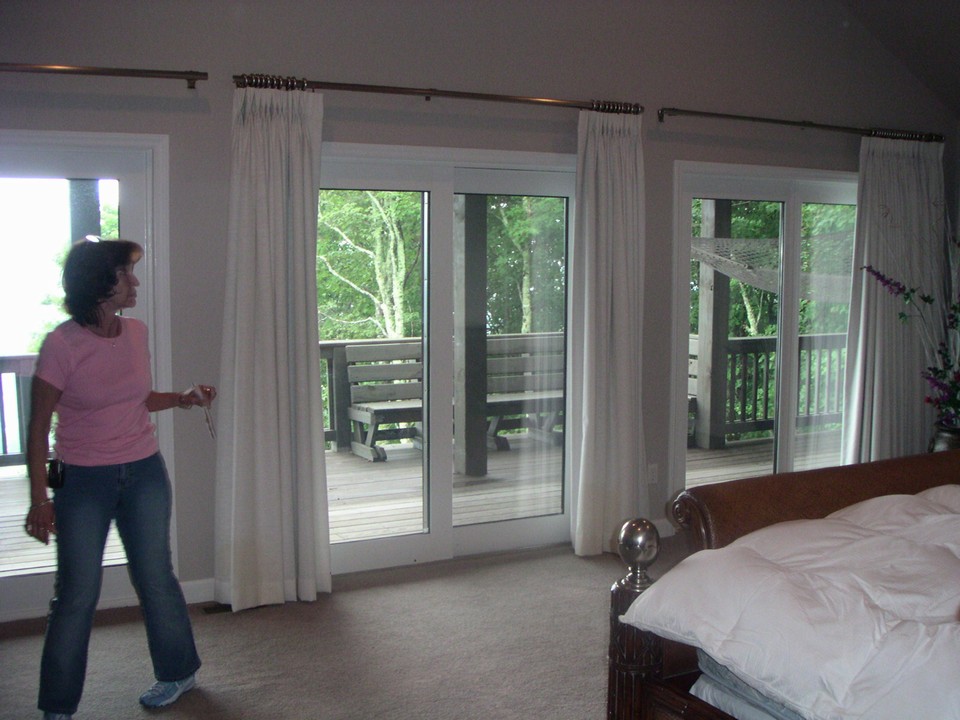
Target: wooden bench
x=525 y=377
x=386 y=388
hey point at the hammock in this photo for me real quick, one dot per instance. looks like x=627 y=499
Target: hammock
x=757 y=263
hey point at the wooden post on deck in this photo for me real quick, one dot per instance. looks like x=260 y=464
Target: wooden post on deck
x=470 y=338
x=714 y=328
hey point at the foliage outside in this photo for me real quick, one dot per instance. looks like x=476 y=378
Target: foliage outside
x=526 y=263
x=370 y=257
x=825 y=236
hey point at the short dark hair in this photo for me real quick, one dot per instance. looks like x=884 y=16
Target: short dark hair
x=90 y=274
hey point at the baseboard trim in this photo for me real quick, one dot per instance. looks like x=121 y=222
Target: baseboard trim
x=198 y=591
x=34 y=605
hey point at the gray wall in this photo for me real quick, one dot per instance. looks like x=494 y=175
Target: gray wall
x=800 y=60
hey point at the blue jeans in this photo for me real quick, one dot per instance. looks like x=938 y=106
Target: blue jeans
x=138 y=496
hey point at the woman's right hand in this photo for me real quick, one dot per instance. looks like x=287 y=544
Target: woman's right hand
x=41 y=521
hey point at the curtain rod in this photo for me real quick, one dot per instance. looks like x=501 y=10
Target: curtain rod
x=291 y=83
x=189 y=75
x=868 y=132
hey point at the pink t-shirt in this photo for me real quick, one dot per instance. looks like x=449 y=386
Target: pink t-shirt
x=102 y=413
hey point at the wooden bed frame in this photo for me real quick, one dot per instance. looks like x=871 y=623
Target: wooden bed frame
x=649 y=676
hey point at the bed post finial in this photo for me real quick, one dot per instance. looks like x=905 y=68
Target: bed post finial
x=639 y=546
x=633 y=654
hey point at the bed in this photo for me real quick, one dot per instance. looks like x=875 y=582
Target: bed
x=745 y=624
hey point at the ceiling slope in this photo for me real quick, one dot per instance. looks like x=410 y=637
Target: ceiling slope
x=923 y=34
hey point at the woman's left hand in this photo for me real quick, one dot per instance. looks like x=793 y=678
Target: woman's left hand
x=203 y=395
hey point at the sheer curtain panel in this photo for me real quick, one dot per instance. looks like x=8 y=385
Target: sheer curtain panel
x=901 y=233
x=272 y=535
x=606 y=366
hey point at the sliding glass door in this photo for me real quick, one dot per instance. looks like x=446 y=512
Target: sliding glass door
x=823 y=311
x=767 y=259
x=442 y=318
x=511 y=233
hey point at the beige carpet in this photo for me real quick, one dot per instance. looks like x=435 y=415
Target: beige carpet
x=518 y=635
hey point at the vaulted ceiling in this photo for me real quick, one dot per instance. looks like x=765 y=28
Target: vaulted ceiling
x=923 y=34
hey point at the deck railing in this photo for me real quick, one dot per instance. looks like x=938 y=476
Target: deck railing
x=749 y=401
x=751 y=381
x=16 y=372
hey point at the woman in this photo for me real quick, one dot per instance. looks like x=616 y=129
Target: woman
x=94 y=371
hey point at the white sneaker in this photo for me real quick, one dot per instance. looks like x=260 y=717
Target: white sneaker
x=164 y=693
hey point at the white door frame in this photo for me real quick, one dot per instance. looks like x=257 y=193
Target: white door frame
x=141 y=163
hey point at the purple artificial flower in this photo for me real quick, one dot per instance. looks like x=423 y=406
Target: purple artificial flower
x=894 y=287
x=943 y=377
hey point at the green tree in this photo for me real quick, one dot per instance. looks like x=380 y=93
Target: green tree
x=756 y=313
x=369 y=257
x=826 y=247
x=370 y=254
x=526 y=246
x=109 y=220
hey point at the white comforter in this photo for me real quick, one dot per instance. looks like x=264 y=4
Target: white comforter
x=853 y=616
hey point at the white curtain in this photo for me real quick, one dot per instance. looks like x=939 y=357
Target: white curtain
x=272 y=533
x=900 y=232
x=608 y=257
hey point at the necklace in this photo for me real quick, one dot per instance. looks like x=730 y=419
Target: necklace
x=111 y=332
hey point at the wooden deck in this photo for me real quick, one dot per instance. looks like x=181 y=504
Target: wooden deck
x=20 y=554
x=366 y=500
x=385 y=499
x=750 y=458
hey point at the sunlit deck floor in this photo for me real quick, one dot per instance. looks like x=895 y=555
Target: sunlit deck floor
x=20 y=553
x=749 y=458
x=386 y=499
